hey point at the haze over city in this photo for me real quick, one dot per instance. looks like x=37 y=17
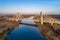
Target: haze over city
x=29 y=6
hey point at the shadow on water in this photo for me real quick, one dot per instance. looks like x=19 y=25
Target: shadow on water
x=26 y=32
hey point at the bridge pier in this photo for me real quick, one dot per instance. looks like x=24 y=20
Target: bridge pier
x=50 y=21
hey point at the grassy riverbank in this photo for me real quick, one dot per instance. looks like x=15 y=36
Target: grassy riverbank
x=6 y=27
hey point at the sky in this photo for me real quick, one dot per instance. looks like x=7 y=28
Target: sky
x=29 y=6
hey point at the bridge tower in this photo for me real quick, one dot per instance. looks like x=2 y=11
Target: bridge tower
x=41 y=17
x=17 y=16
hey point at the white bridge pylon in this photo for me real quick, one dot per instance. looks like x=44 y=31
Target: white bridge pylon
x=18 y=16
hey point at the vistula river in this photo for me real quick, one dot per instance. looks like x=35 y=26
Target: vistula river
x=26 y=32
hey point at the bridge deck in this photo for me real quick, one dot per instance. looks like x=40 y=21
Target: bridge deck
x=33 y=25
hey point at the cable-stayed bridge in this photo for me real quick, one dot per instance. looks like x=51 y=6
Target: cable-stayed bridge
x=42 y=19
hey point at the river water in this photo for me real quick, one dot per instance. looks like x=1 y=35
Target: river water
x=26 y=32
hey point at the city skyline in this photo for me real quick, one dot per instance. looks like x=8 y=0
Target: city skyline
x=29 y=6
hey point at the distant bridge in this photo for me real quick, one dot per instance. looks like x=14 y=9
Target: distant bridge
x=42 y=19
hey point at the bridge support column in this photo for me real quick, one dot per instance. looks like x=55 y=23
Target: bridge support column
x=41 y=17
x=50 y=21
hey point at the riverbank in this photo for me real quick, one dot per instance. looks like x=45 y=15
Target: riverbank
x=6 y=27
x=51 y=32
